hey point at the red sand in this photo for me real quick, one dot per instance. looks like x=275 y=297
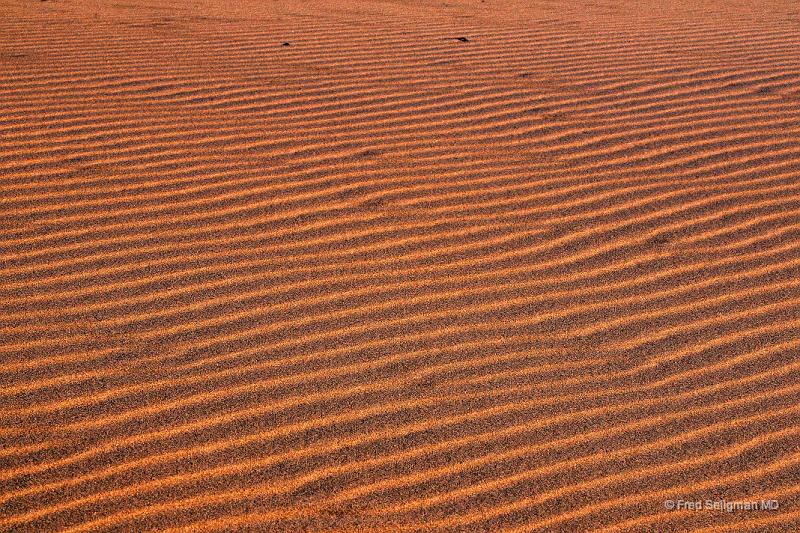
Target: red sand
x=540 y=278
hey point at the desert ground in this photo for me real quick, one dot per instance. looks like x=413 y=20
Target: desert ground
x=395 y=265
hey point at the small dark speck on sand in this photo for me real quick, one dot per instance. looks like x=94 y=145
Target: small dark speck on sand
x=285 y=44
x=660 y=240
x=462 y=39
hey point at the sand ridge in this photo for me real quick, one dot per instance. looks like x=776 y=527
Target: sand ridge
x=399 y=266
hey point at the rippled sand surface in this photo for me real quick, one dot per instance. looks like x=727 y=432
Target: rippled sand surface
x=462 y=266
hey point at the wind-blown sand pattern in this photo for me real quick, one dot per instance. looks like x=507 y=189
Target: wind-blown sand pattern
x=399 y=266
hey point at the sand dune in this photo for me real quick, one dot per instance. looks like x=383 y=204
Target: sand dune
x=399 y=266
